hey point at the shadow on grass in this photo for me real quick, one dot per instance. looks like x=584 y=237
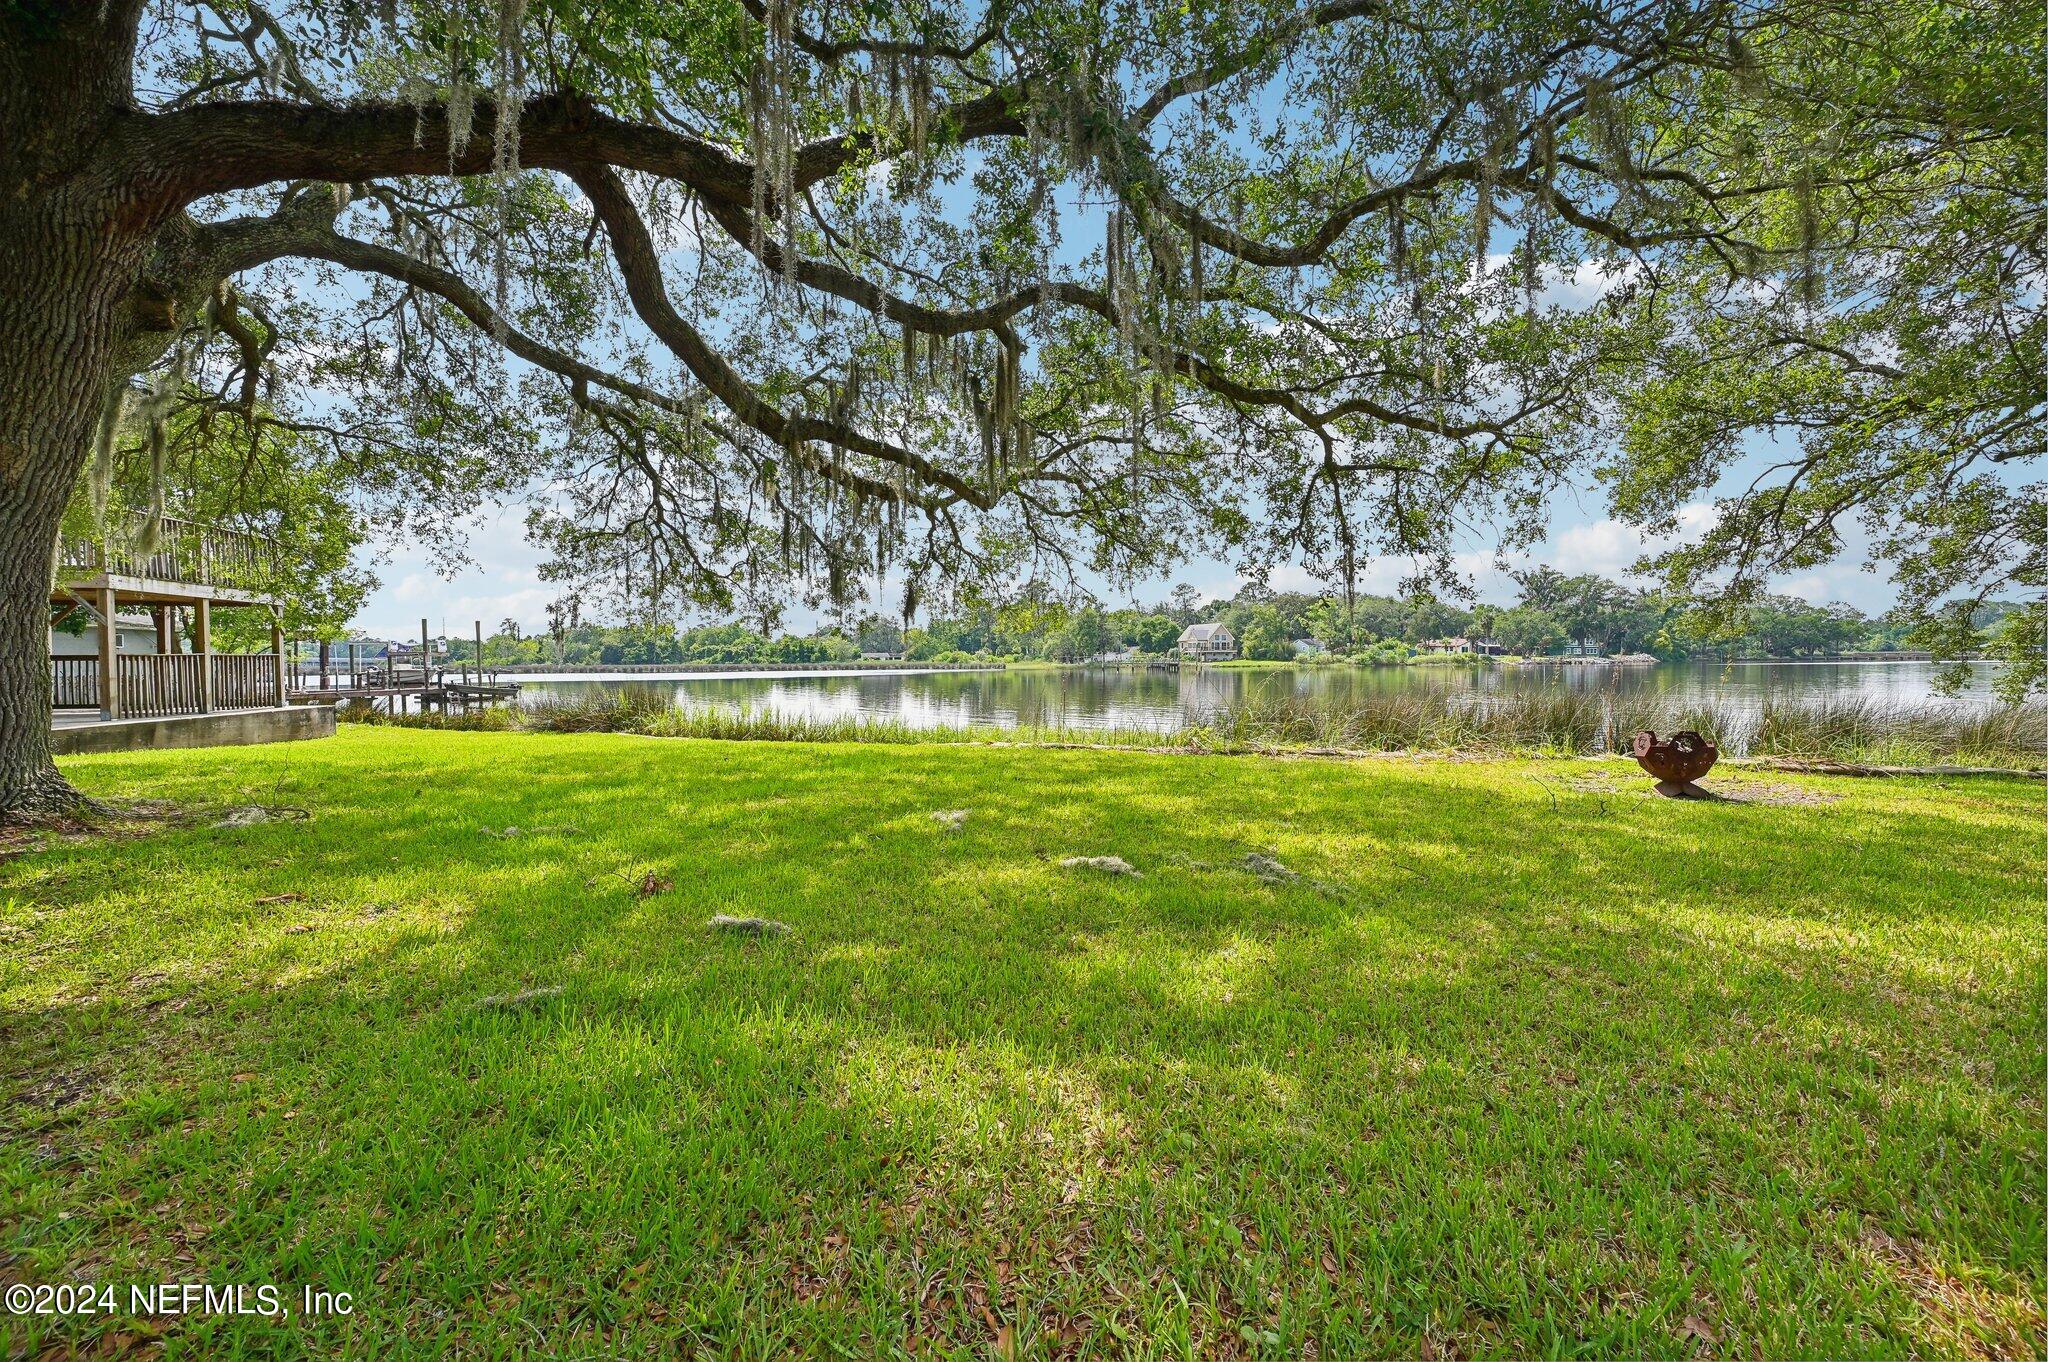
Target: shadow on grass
x=1499 y=1058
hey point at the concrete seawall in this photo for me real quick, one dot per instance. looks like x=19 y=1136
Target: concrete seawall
x=227 y=728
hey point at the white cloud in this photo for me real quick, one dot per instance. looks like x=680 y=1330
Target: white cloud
x=1610 y=548
x=502 y=580
x=505 y=578
x=1606 y=547
x=1587 y=282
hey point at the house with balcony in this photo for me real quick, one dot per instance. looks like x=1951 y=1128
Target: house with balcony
x=1207 y=643
x=132 y=662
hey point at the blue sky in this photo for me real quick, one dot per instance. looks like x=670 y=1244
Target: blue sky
x=505 y=581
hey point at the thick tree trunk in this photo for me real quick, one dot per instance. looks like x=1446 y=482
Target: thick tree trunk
x=57 y=310
x=72 y=244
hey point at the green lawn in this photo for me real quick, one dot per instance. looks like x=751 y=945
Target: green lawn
x=1517 y=1065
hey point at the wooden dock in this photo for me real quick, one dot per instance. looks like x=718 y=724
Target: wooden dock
x=398 y=686
x=403 y=688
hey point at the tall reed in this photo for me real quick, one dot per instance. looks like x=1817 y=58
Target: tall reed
x=1853 y=729
x=1888 y=732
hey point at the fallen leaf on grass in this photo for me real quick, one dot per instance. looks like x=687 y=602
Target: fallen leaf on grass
x=652 y=884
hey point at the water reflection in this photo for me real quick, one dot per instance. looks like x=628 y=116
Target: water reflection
x=1163 y=700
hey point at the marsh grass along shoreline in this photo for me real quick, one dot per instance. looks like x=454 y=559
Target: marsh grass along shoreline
x=1847 y=730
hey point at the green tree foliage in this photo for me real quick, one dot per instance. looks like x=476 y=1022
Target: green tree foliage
x=878 y=635
x=1091 y=633
x=1785 y=626
x=1430 y=618
x=1596 y=613
x=1838 y=205
x=1527 y=631
x=1147 y=631
x=1332 y=624
x=796 y=295
x=261 y=477
x=1873 y=322
x=650 y=645
x=1265 y=635
x=1607 y=615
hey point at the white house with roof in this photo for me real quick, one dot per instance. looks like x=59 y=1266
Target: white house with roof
x=1479 y=646
x=1207 y=643
x=133 y=633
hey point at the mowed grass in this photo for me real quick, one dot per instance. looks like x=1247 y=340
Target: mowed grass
x=1524 y=1062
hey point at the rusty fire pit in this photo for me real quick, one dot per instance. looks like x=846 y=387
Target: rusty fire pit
x=1677 y=762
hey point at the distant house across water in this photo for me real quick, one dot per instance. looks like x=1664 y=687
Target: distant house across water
x=1478 y=646
x=1207 y=643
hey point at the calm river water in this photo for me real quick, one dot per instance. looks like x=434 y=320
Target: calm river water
x=1161 y=701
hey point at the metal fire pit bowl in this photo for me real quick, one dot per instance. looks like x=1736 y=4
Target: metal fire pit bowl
x=1677 y=762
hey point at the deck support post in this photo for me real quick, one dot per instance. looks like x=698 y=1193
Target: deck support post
x=161 y=614
x=110 y=658
x=277 y=653
x=202 y=633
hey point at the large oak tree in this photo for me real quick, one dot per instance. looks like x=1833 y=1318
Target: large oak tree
x=764 y=295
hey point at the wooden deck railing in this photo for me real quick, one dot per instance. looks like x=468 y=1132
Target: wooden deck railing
x=74 y=683
x=156 y=685
x=187 y=551
x=245 y=681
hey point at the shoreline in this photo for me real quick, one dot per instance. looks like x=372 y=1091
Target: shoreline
x=653 y=671
x=1859 y=735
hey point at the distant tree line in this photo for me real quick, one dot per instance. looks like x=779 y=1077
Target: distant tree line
x=1553 y=613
